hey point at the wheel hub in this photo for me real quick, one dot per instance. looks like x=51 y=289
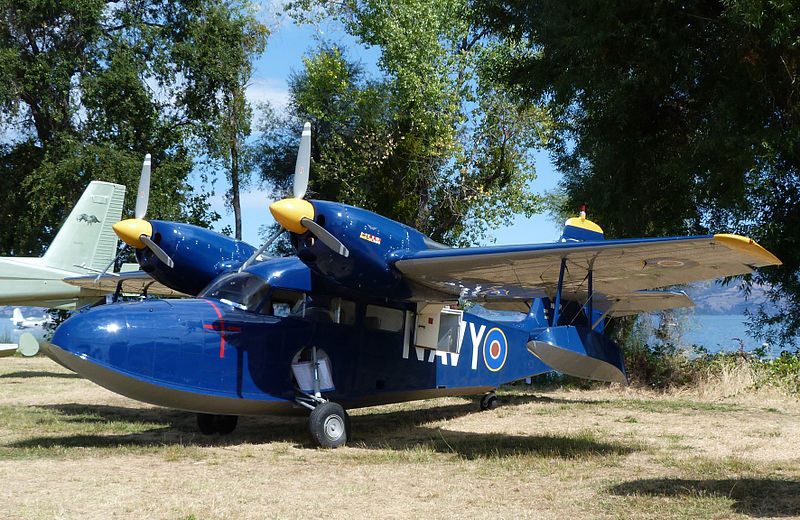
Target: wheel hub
x=334 y=427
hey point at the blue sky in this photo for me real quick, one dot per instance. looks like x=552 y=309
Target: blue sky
x=287 y=45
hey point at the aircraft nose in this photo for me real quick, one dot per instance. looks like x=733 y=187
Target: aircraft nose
x=131 y=229
x=289 y=213
x=94 y=335
x=142 y=349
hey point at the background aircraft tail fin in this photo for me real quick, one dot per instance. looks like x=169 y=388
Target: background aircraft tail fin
x=86 y=237
x=16 y=317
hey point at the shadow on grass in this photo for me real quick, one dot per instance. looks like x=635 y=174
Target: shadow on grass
x=28 y=375
x=473 y=446
x=756 y=497
x=523 y=398
x=121 y=427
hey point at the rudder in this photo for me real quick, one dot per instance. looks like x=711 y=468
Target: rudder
x=86 y=238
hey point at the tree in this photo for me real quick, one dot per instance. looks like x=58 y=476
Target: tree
x=88 y=87
x=432 y=143
x=219 y=48
x=672 y=117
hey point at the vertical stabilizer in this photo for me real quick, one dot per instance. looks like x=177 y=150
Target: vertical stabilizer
x=16 y=317
x=86 y=237
x=581 y=229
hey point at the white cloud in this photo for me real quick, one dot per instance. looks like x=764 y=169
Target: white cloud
x=272 y=90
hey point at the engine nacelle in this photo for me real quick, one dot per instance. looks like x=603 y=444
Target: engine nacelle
x=199 y=254
x=370 y=240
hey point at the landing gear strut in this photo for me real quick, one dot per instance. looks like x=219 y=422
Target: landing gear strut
x=209 y=424
x=328 y=422
x=489 y=401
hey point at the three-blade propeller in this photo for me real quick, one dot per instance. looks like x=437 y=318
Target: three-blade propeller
x=296 y=214
x=137 y=232
x=293 y=214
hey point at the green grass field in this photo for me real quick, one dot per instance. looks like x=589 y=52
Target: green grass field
x=69 y=449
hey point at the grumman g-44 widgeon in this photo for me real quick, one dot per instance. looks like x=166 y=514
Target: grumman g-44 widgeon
x=371 y=311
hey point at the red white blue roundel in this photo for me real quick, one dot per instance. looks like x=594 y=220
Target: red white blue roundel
x=495 y=350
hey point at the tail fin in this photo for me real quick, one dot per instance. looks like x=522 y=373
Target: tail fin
x=17 y=317
x=581 y=229
x=86 y=237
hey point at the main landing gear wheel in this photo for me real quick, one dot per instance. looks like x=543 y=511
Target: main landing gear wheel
x=209 y=424
x=329 y=425
x=489 y=401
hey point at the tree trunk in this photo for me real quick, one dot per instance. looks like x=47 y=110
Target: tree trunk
x=237 y=210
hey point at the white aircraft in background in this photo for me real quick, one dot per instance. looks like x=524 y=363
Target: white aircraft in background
x=85 y=242
x=30 y=322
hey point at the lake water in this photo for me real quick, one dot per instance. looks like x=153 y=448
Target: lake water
x=720 y=333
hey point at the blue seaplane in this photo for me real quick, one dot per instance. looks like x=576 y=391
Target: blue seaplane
x=368 y=311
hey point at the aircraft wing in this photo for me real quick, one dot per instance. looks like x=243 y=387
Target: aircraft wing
x=638 y=302
x=619 y=268
x=133 y=282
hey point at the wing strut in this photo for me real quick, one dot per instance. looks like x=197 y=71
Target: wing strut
x=117 y=292
x=589 y=306
x=558 y=292
x=601 y=318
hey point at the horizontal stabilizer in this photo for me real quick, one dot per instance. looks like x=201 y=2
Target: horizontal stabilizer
x=579 y=352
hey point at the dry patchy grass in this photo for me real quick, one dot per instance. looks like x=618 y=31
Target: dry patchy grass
x=69 y=449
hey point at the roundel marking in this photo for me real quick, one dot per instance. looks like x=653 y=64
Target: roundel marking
x=495 y=349
x=670 y=262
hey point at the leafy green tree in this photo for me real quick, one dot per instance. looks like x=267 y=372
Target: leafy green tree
x=671 y=117
x=88 y=87
x=432 y=142
x=219 y=48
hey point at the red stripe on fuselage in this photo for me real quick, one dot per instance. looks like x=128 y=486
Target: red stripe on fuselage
x=221 y=329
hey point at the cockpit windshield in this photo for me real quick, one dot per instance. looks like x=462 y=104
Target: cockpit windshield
x=244 y=291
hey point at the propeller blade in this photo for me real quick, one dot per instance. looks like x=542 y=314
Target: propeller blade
x=303 y=163
x=261 y=249
x=160 y=253
x=143 y=193
x=325 y=236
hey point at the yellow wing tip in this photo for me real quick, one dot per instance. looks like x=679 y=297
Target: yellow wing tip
x=747 y=246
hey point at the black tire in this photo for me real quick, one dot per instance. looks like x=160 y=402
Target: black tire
x=328 y=425
x=226 y=423
x=206 y=424
x=489 y=402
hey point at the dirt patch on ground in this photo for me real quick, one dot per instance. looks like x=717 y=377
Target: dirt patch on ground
x=69 y=449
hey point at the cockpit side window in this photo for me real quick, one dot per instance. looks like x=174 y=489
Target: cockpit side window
x=241 y=290
x=285 y=302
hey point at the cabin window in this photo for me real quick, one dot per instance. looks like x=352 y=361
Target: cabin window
x=344 y=311
x=284 y=302
x=241 y=290
x=384 y=318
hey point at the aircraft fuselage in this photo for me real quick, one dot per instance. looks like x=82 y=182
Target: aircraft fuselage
x=212 y=357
